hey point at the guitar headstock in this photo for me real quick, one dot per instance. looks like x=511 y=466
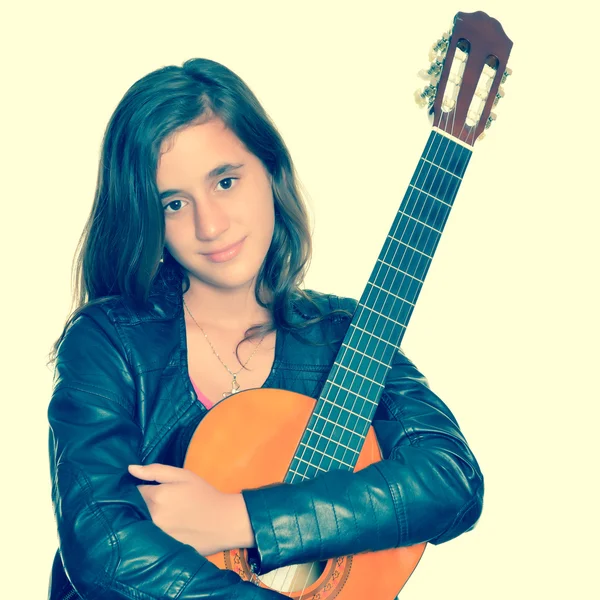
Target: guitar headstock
x=468 y=66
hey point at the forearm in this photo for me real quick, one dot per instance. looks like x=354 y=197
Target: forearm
x=340 y=513
x=111 y=548
x=428 y=488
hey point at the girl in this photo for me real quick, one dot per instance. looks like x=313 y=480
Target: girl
x=189 y=289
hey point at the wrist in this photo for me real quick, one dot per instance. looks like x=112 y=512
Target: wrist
x=243 y=534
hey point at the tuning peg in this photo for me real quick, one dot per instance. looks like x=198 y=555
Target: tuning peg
x=440 y=47
x=507 y=73
x=434 y=70
x=499 y=96
x=425 y=96
x=420 y=99
x=490 y=120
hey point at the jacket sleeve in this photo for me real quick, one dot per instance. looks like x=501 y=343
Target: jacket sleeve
x=109 y=546
x=428 y=488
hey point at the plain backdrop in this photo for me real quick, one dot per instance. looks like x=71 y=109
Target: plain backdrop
x=506 y=327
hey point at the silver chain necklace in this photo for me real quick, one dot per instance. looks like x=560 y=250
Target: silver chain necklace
x=235 y=386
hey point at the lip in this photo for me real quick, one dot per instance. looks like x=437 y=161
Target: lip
x=226 y=253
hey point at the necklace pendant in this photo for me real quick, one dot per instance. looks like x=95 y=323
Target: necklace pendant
x=235 y=388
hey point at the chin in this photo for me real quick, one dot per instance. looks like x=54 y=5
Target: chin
x=225 y=281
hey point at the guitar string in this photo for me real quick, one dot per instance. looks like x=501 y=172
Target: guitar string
x=428 y=238
x=433 y=206
x=463 y=158
x=455 y=148
x=462 y=169
x=426 y=155
x=398 y=280
x=309 y=464
x=377 y=293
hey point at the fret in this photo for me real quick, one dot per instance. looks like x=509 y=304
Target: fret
x=355 y=372
x=382 y=305
x=360 y=389
x=436 y=183
x=373 y=346
x=371 y=372
x=430 y=210
x=365 y=379
x=430 y=195
x=403 y=286
x=318 y=460
x=343 y=408
x=442 y=169
x=404 y=257
x=447 y=154
x=395 y=269
x=317 y=451
x=294 y=472
x=418 y=221
x=357 y=351
x=345 y=436
x=370 y=343
x=336 y=442
x=388 y=291
x=351 y=421
x=382 y=329
x=380 y=339
x=411 y=248
x=309 y=464
x=416 y=234
x=380 y=314
x=356 y=360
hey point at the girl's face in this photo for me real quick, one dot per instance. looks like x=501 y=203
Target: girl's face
x=218 y=203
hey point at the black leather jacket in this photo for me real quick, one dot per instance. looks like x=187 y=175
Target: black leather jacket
x=122 y=395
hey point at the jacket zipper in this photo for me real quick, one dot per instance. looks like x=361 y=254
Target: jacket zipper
x=70 y=594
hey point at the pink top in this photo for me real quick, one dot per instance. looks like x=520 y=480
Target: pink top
x=207 y=403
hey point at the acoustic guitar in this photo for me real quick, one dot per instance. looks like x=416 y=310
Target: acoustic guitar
x=290 y=437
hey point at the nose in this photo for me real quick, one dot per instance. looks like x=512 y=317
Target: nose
x=211 y=220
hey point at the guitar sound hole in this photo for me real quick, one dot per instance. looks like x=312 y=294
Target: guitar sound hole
x=294 y=578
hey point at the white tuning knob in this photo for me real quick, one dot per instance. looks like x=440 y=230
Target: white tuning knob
x=507 y=73
x=499 y=96
x=490 y=120
x=425 y=96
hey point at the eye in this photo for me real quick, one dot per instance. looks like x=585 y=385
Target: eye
x=227 y=183
x=174 y=206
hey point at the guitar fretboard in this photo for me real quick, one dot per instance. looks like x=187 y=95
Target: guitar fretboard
x=344 y=411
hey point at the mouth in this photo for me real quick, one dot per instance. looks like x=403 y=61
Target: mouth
x=226 y=253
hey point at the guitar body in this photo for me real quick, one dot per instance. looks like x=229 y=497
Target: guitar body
x=247 y=441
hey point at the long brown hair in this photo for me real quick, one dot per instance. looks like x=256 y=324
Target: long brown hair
x=122 y=243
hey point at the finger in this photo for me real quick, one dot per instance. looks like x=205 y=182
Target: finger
x=158 y=472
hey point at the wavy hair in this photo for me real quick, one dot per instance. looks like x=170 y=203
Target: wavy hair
x=119 y=252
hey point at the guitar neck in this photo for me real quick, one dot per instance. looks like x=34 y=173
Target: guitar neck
x=342 y=416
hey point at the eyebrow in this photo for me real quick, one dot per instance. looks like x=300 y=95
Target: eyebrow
x=212 y=174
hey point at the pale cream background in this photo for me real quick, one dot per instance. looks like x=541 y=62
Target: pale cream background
x=506 y=327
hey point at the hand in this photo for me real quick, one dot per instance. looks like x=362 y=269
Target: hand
x=192 y=511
